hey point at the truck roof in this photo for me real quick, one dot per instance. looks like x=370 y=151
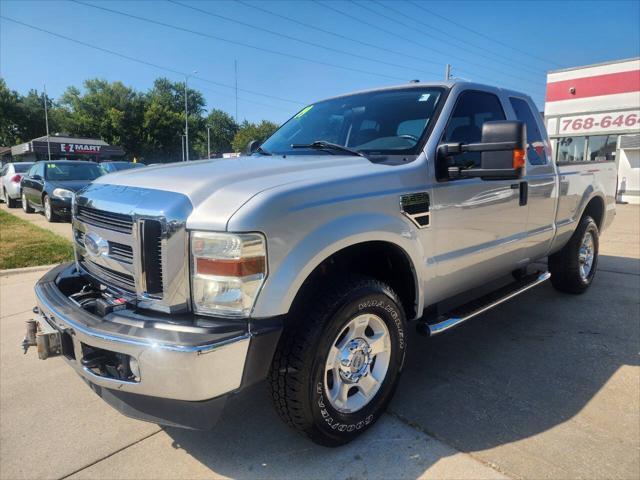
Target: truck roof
x=443 y=84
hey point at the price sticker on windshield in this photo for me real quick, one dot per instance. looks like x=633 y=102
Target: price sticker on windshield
x=304 y=111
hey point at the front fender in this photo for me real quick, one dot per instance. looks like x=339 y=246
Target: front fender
x=286 y=279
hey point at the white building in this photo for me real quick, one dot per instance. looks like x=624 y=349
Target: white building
x=592 y=114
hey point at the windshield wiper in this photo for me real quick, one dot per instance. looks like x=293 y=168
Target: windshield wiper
x=322 y=145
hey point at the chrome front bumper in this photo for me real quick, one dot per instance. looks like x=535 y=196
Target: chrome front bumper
x=189 y=367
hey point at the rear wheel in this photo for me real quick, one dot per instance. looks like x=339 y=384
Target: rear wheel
x=574 y=267
x=337 y=365
x=11 y=202
x=25 y=204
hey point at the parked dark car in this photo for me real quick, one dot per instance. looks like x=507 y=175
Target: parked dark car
x=49 y=186
x=110 y=167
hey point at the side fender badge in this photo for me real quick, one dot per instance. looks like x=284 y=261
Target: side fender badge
x=415 y=206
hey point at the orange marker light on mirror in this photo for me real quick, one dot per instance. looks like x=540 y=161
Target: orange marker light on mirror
x=518 y=158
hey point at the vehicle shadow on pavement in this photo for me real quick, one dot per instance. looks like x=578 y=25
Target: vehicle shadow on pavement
x=532 y=365
x=518 y=371
x=250 y=441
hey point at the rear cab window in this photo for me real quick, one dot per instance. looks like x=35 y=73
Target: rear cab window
x=536 y=152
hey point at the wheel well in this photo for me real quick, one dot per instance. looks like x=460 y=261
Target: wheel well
x=383 y=261
x=595 y=209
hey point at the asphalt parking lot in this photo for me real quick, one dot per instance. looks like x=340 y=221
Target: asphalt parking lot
x=545 y=386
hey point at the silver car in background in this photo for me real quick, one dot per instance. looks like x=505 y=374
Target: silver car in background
x=10 y=177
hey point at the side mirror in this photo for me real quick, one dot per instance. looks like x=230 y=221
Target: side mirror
x=252 y=146
x=503 y=148
x=37 y=177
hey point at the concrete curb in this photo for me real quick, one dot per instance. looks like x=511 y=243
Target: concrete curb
x=17 y=271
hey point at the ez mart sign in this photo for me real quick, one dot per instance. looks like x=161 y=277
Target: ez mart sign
x=79 y=148
x=628 y=121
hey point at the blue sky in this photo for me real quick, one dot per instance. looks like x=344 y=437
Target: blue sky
x=512 y=44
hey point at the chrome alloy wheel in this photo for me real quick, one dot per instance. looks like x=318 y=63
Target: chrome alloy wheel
x=47 y=208
x=586 y=256
x=357 y=363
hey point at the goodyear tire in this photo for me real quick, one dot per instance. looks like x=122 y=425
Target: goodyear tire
x=574 y=267
x=338 y=362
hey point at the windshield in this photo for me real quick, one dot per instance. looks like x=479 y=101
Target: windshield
x=388 y=122
x=72 y=171
x=22 y=167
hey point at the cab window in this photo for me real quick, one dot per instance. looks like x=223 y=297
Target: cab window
x=536 y=154
x=472 y=109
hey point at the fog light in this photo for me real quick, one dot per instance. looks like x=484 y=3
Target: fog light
x=134 y=367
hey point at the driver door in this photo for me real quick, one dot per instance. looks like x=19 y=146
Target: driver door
x=480 y=226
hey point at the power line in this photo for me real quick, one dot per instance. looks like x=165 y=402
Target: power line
x=377 y=27
x=338 y=35
x=295 y=39
x=465 y=43
x=145 y=62
x=483 y=35
x=233 y=42
x=462 y=59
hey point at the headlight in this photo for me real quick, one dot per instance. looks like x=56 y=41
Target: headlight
x=62 y=193
x=227 y=272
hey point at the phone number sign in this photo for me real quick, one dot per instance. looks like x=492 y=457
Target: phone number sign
x=601 y=122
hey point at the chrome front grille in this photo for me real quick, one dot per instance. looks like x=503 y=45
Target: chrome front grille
x=121 y=252
x=135 y=241
x=108 y=220
x=117 y=250
x=111 y=277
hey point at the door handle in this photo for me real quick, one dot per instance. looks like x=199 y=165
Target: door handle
x=524 y=193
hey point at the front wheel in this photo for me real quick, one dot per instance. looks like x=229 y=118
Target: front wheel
x=25 y=204
x=49 y=214
x=574 y=267
x=338 y=363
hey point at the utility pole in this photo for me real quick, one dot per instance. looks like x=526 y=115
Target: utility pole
x=46 y=120
x=447 y=72
x=208 y=142
x=182 y=143
x=235 y=68
x=186 y=117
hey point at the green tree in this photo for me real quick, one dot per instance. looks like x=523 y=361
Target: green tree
x=9 y=115
x=163 y=122
x=250 y=131
x=110 y=111
x=223 y=129
x=22 y=117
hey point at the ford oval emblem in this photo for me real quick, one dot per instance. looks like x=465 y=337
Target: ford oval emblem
x=95 y=245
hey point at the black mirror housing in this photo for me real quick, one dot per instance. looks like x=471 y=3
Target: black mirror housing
x=502 y=132
x=252 y=146
x=502 y=148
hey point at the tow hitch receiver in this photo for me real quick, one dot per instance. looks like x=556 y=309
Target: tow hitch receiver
x=47 y=339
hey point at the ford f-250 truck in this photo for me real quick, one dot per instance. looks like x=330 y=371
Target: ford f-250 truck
x=302 y=262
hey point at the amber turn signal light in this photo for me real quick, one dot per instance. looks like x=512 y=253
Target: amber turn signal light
x=518 y=158
x=230 y=268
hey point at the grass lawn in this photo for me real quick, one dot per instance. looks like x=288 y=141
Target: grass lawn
x=25 y=245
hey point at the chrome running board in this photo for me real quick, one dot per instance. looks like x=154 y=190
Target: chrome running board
x=481 y=305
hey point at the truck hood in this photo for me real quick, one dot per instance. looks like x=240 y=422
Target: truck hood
x=218 y=188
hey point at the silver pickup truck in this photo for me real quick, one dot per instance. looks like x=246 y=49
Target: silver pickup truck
x=304 y=261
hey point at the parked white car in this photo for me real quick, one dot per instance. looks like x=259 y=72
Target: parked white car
x=10 y=177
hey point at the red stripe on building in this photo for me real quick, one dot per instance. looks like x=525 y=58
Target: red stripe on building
x=608 y=84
